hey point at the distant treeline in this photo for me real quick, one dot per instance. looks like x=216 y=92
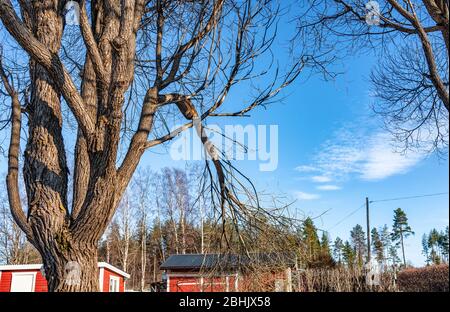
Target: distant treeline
x=162 y=214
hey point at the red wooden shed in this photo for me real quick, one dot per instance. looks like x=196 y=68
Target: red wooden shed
x=220 y=273
x=29 y=278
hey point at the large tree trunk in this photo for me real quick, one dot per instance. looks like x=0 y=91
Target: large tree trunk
x=45 y=167
x=67 y=240
x=72 y=269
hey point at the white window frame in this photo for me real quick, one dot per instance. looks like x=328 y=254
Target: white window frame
x=101 y=280
x=116 y=279
x=33 y=285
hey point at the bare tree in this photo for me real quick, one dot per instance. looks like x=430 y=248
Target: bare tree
x=159 y=220
x=142 y=191
x=411 y=39
x=125 y=221
x=138 y=63
x=14 y=248
x=182 y=200
x=170 y=208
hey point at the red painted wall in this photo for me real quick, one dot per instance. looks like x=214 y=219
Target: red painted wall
x=41 y=282
x=193 y=284
x=5 y=281
x=106 y=275
x=6 y=277
x=218 y=284
x=176 y=284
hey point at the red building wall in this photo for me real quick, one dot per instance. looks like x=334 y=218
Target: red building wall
x=41 y=282
x=185 y=282
x=106 y=275
x=6 y=277
x=5 y=281
x=194 y=284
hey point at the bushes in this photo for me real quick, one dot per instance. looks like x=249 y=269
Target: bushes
x=432 y=278
x=343 y=279
x=338 y=279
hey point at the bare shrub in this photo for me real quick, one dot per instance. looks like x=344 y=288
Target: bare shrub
x=339 y=279
x=428 y=279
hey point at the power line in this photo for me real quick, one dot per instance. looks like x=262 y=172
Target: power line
x=384 y=200
x=408 y=197
x=347 y=216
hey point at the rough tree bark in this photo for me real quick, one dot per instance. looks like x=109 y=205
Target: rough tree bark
x=60 y=236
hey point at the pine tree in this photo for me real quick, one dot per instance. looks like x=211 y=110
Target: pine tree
x=310 y=240
x=426 y=249
x=377 y=245
x=338 y=249
x=433 y=244
x=443 y=246
x=358 y=239
x=348 y=254
x=326 y=260
x=385 y=237
x=444 y=243
x=401 y=230
x=393 y=255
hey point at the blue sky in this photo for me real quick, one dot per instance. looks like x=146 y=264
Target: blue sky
x=333 y=153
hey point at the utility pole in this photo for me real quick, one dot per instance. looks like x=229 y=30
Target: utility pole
x=368 y=229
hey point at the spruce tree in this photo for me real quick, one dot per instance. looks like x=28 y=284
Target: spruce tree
x=426 y=249
x=377 y=245
x=393 y=255
x=444 y=243
x=338 y=249
x=358 y=239
x=401 y=230
x=433 y=244
x=310 y=240
x=386 y=239
x=326 y=260
x=348 y=254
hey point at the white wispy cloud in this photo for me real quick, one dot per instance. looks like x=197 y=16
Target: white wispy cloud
x=321 y=179
x=369 y=156
x=306 y=196
x=306 y=168
x=383 y=162
x=328 y=187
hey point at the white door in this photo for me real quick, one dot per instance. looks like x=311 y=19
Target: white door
x=22 y=282
x=113 y=284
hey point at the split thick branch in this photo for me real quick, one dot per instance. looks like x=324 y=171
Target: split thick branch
x=91 y=45
x=51 y=62
x=12 y=179
x=176 y=58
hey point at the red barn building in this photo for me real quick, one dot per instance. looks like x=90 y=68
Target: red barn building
x=29 y=278
x=220 y=273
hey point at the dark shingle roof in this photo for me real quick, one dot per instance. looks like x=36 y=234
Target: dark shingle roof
x=220 y=261
x=198 y=261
